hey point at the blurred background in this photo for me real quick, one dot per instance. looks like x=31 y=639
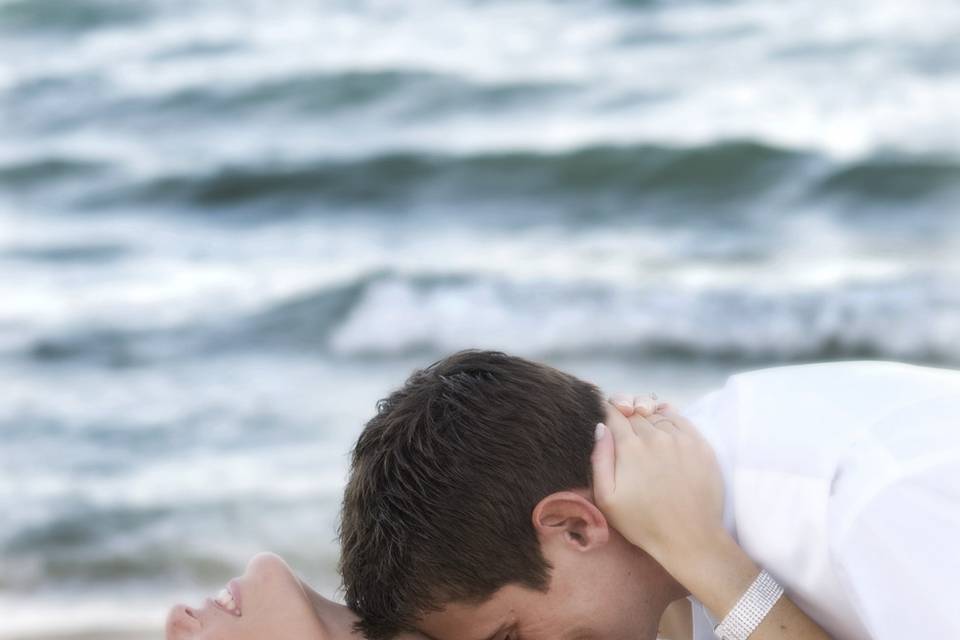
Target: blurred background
x=227 y=227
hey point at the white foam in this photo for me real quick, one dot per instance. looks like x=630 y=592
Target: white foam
x=181 y=274
x=768 y=318
x=843 y=78
x=26 y=617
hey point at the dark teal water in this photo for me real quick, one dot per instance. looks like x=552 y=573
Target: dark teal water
x=228 y=228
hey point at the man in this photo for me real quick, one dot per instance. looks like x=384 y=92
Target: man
x=469 y=513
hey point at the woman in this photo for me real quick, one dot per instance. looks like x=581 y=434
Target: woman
x=269 y=601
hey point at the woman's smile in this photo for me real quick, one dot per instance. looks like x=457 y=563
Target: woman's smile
x=229 y=598
x=268 y=600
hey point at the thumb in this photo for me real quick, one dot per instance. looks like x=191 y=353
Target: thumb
x=604 y=463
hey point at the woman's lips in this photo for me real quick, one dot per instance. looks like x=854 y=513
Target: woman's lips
x=228 y=599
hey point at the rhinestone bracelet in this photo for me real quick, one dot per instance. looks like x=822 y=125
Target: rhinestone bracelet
x=750 y=609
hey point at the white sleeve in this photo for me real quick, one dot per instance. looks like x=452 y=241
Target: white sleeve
x=895 y=526
x=703 y=622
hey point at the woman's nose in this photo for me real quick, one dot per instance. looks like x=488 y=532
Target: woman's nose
x=182 y=624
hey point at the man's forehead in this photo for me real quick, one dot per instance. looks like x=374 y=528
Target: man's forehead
x=484 y=620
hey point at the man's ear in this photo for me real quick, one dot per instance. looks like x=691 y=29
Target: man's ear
x=570 y=519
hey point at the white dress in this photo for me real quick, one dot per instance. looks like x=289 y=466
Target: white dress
x=843 y=481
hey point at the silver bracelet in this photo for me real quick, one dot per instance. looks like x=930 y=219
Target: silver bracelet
x=750 y=609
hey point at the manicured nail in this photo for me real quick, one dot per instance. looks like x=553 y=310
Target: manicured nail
x=601 y=429
x=621 y=400
x=644 y=408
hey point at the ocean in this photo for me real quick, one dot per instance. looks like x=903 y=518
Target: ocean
x=228 y=227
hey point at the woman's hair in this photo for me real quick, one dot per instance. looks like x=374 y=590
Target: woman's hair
x=444 y=479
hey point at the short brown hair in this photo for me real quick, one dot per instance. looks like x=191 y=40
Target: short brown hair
x=444 y=480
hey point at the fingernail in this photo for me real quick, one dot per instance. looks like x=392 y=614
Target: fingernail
x=601 y=429
x=621 y=400
x=643 y=408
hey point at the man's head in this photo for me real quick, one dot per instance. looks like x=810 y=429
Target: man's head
x=469 y=515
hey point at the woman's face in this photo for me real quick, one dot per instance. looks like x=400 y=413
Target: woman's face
x=268 y=601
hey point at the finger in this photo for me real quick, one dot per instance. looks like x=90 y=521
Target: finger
x=662 y=423
x=644 y=405
x=603 y=461
x=623 y=403
x=641 y=426
x=679 y=422
x=621 y=429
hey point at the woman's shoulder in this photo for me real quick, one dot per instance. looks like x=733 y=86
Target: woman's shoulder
x=857 y=390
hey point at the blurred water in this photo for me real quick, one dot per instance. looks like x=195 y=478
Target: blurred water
x=227 y=228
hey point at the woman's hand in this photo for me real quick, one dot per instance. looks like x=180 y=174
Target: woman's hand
x=657 y=481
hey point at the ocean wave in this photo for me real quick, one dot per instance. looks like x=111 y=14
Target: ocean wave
x=88 y=545
x=726 y=172
x=305 y=321
x=386 y=315
x=41 y=172
x=114 y=347
x=607 y=180
x=574 y=74
x=97 y=253
x=894 y=181
x=84 y=544
x=407 y=95
x=910 y=318
x=161 y=517
x=75 y=16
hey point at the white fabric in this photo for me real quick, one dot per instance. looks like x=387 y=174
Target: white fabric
x=843 y=481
